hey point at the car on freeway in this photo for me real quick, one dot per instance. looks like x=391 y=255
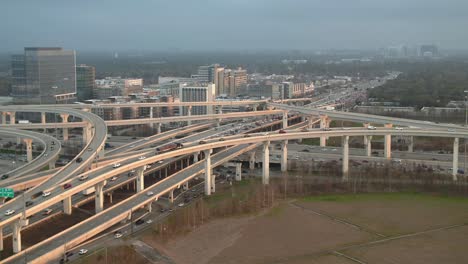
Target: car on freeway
x=142 y=158
x=83 y=251
x=139 y=222
x=202 y=142
x=148 y=167
x=116 y=165
x=181 y=204
x=79 y=159
x=282 y=131
x=45 y=194
x=47 y=211
x=150 y=193
x=398 y=128
x=371 y=128
x=118 y=234
x=149 y=221
x=114 y=178
x=161 y=161
x=5 y=176
x=29 y=203
x=132 y=146
x=82 y=178
x=67 y=186
x=147 y=139
x=90 y=149
x=10 y=212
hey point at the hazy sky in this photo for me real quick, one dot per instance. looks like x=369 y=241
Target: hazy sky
x=231 y=24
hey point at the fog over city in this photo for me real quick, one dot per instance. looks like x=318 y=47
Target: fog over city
x=232 y=25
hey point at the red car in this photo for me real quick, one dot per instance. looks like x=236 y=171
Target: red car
x=67 y=185
x=282 y=131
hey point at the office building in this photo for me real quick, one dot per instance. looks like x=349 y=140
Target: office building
x=85 y=82
x=44 y=75
x=116 y=86
x=197 y=94
x=428 y=51
x=265 y=90
x=235 y=81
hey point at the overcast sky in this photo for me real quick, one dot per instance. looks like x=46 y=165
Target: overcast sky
x=232 y=24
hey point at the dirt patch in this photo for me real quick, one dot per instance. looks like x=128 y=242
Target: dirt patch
x=288 y=233
x=444 y=246
x=204 y=242
x=393 y=214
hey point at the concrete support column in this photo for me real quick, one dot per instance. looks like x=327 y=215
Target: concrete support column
x=208 y=172
x=252 y=160
x=324 y=123
x=195 y=157
x=140 y=180
x=411 y=144
x=189 y=113
x=65 y=130
x=110 y=197
x=28 y=143
x=456 y=142
x=284 y=155
x=213 y=182
x=87 y=134
x=254 y=107
x=310 y=121
x=16 y=236
x=67 y=205
x=171 y=196
x=345 y=157
x=149 y=207
x=388 y=143
x=43 y=117
x=368 y=145
x=158 y=127
x=4 y=114
x=366 y=125
x=99 y=197
x=266 y=163
x=1 y=238
x=285 y=119
x=185 y=187
x=238 y=171
x=12 y=117
x=151 y=116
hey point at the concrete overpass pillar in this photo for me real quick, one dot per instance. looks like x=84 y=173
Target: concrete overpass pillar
x=456 y=142
x=238 y=171
x=366 y=125
x=1 y=238
x=149 y=207
x=87 y=134
x=16 y=233
x=411 y=144
x=65 y=130
x=266 y=163
x=158 y=127
x=368 y=145
x=43 y=118
x=310 y=121
x=252 y=160
x=189 y=113
x=28 y=143
x=208 y=172
x=324 y=123
x=388 y=143
x=213 y=182
x=171 y=196
x=151 y=116
x=140 y=179
x=12 y=117
x=254 y=107
x=67 y=205
x=99 y=197
x=195 y=157
x=284 y=155
x=185 y=187
x=285 y=119
x=345 y=157
x=4 y=114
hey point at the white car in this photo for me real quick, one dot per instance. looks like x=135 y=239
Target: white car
x=114 y=178
x=181 y=204
x=147 y=139
x=142 y=158
x=84 y=177
x=161 y=161
x=82 y=251
x=117 y=235
x=149 y=221
x=9 y=212
x=398 y=128
x=116 y=165
x=45 y=194
x=148 y=167
x=150 y=193
x=371 y=128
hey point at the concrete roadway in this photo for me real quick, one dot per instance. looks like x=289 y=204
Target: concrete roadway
x=81 y=232
x=47 y=155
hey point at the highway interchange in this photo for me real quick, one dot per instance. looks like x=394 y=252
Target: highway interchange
x=135 y=157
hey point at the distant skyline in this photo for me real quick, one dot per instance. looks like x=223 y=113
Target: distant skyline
x=155 y=25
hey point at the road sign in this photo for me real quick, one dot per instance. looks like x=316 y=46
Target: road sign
x=7 y=192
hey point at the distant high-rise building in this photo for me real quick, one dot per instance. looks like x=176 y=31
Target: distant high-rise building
x=197 y=94
x=234 y=81
x=85 y=82
x=44 y=75
x=428 y=51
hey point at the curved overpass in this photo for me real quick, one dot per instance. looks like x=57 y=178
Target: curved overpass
x=44 y=158
x=55 y=246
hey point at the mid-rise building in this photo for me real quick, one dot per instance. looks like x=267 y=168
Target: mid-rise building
x=265 y=90
x=44 y=75
x=197 y=94
x=116 y=86
x=85 y=82
x=235 y=81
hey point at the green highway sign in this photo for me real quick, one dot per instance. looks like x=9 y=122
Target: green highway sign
x=7 y=192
